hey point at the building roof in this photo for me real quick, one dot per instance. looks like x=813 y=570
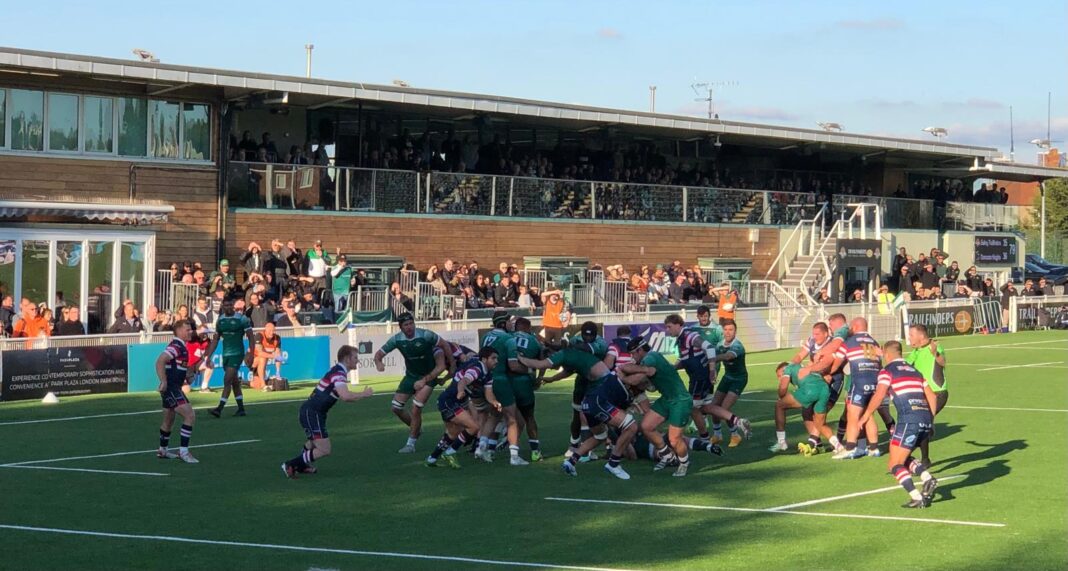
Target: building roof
x=321 y=92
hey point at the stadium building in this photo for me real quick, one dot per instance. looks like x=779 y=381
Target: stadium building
x=112 y=169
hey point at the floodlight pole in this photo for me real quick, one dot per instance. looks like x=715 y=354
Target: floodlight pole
x=1042 y=236
x=307 y=66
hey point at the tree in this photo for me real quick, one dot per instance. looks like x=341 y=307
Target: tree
x=1056 y=222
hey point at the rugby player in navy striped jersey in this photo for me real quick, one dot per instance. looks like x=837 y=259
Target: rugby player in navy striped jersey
x=334 y=386
x=172 y=369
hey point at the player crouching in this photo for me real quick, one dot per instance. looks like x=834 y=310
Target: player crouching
x=331 y=388
x=461 y=426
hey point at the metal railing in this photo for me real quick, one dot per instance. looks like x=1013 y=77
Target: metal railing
x=369 y=298
x=261 y=185
x=183 y=294
x=162 y=297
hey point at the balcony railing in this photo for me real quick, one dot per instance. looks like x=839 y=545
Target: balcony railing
x=345 y=189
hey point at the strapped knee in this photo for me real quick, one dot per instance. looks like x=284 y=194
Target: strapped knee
x=576 y=407
x=602 y=436
x=628 y=421
x=417 y=403
x=642 y=397
x=396 y=405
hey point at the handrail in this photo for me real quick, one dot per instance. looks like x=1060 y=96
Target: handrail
x=782 y=251
x=815 y=255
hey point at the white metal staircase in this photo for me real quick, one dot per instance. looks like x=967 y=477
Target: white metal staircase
x=812 y=245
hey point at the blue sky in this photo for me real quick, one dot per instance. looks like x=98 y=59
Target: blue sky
x=887 y=68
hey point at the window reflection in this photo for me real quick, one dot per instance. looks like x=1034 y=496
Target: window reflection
x=98 y=125
x=68 y=273
x=62 y=122
x=99 y=299
x=27 y=120
x=163 y=129
x=35 y=268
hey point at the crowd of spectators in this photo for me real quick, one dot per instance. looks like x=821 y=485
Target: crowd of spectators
x=942 y=190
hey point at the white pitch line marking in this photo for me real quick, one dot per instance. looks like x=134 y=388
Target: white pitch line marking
x=768 y=511
x=999 y=408
x=847 y=496
x=301 y=548
x=999 y=346
x=1021 y=366
x=109 y=415
x=123 y=472
x=113 y=454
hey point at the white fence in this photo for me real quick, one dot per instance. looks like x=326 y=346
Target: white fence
x=183 y=294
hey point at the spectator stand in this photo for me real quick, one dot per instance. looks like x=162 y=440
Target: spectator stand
x=1036 y=313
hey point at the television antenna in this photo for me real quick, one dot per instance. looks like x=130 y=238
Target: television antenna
x=704 y=92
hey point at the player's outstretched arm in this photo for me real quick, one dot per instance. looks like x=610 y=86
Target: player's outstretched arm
x=535 y=363
x=379 y=364
x=345 y=394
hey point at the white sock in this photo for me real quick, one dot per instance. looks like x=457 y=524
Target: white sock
x=780 y=435
x=183 y=449
x=834 y=442
x=514 y=450
x=412 y=441
x=482 y=440
x=916 y=495
x=449 y=451
x=491 y=443
x=926 y=476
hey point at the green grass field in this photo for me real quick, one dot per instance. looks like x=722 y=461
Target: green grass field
x=1000 y=448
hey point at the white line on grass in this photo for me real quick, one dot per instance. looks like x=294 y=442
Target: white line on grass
x=109 y=415
x=1000 y=408
x=768 y=511
x=1021 y=366
x=847 y=496
x=301 y=548
x=1000 y=345
x=123 y=472
x=113 y=454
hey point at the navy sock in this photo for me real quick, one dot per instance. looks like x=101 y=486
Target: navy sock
x=613 y=460
x=534 y=444
x=186 y=432
x=164 y=438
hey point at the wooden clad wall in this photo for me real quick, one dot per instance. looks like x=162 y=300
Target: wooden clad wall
x=429 y=240
x=189 y=233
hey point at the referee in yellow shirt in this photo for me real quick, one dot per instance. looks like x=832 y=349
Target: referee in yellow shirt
x=929 y=359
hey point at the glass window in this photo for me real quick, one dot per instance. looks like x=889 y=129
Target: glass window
x=8 y=251
x=97 y=124
x=99 y=301
x=35 y=268
x=163 y=129
x=133 y=127
x=132 y=274
x=27 y=120
x=68 y=273
x=196 y=132
x=62 y=122
x=3 y=116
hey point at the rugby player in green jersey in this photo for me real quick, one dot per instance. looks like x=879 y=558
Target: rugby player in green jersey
x=574 y=360
x=591 y=341
x=426 y=355
x=501 y=394
x=731 y=353
x=674 y=404
x=811 y=391
x=527 y=345
x=232 y=329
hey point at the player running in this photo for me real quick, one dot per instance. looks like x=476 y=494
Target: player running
x=233 y=329
x=811 y=391
x=334 y=386
x=731 y=353
x=915 y=403
x=171 y=368
x=698 y=358
x=426 y=356
x=472 y=378
x=673 y=406
x=863 y=353
x=930 y=360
